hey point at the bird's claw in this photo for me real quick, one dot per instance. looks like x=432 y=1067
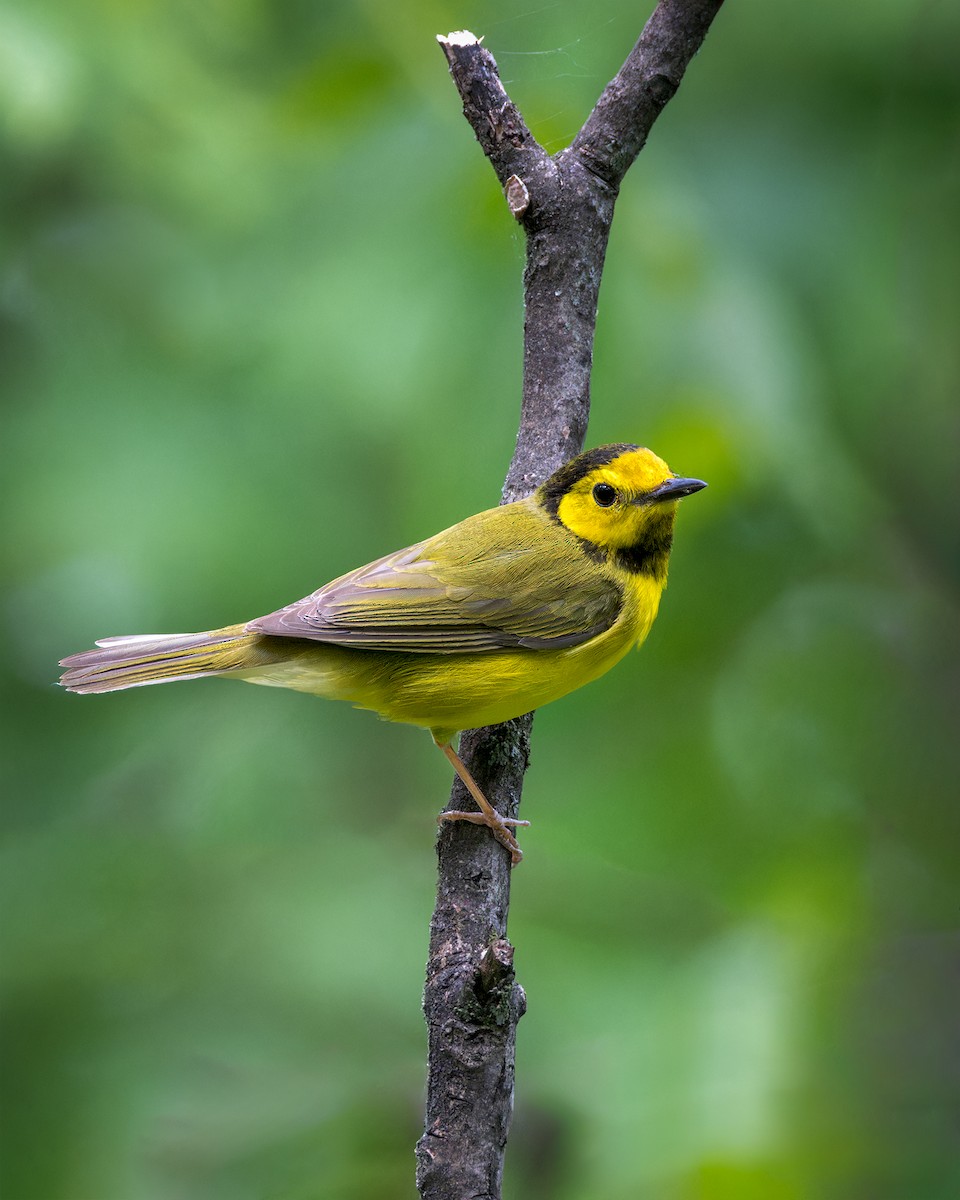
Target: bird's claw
x=499 y=827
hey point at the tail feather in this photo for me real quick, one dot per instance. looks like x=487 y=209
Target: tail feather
x=125 y=662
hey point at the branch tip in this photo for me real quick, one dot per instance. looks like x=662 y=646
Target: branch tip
x=459 y=37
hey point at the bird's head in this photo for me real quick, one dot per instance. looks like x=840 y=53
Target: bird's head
x=621 y=499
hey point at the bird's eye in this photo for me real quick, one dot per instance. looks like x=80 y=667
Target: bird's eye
x=604 y=494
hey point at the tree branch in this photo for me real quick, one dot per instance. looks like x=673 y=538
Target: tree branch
x=615 y=132
x=565 y=204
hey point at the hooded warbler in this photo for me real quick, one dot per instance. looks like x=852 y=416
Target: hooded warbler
x=498 y=615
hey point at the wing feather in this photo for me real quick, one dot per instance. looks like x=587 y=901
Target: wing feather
x=507 y=578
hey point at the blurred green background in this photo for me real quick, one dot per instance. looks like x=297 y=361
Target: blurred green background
x=260 y=312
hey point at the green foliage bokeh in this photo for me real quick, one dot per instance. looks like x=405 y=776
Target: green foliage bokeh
x=260 y=321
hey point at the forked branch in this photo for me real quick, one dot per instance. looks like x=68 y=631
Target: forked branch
x=565 y=204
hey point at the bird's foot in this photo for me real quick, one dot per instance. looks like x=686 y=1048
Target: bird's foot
x=499 y=826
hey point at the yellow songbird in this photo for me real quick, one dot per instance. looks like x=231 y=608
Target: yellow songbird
x=508 y=610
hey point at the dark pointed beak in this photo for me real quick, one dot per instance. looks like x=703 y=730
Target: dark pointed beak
x=673 y=489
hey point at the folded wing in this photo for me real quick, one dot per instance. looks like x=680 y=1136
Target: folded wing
x=507 y=578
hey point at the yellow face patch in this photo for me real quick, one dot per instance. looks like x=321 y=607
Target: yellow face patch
x=606 y=507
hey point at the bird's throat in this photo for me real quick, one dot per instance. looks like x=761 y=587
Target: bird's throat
x=650 y=554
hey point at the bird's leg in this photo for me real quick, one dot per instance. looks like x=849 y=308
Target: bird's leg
x=487 y=815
